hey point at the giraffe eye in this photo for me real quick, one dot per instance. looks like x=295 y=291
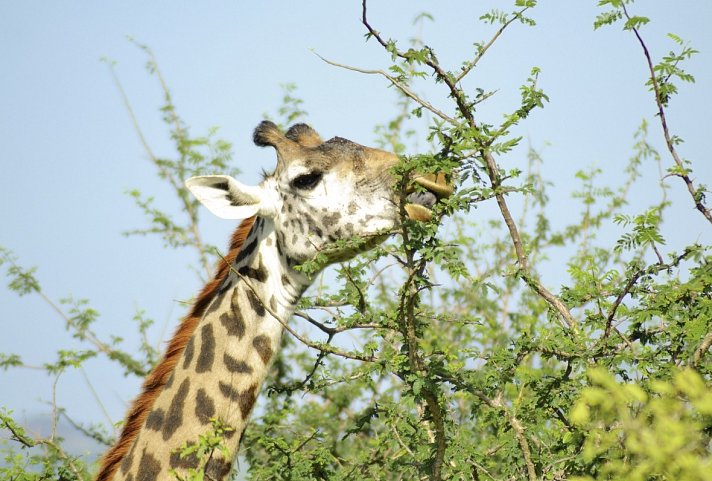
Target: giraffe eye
x=307 y=181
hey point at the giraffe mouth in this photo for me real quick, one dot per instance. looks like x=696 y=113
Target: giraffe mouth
x=420 y=202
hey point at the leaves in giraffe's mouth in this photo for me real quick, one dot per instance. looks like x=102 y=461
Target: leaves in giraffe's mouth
x=420 y=202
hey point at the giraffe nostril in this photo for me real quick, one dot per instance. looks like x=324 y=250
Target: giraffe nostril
x=426 y=199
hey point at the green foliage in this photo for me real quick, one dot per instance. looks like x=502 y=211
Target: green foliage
x=38 y=459
x=653 y=431
x=441 y=354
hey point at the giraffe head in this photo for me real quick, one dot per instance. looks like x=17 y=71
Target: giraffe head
x=320 y=192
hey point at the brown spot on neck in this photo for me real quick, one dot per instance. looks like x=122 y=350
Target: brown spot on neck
x=156 y=380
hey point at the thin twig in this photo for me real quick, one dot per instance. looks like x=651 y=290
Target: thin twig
x=176 y=184
x=399 y=85
x=486 y=47
x=702 y=349
x=696 y=195
x=336 y=330
x=651 y=270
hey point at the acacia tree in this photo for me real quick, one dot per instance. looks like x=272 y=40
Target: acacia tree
x=468 y=366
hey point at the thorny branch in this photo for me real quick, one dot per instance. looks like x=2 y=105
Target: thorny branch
x=486 y=46
x=84 y=333
x=702 y=349
x=651 y=270
x=513 y=421
x=175 y=182
x=410 y=296
x=697 y=196
x=399 y=85
x=493 y=170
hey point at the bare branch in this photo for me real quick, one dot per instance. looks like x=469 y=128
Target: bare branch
x=399 y=85
x=702 y=349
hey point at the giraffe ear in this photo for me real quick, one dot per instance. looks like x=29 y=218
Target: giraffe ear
x=225 y=197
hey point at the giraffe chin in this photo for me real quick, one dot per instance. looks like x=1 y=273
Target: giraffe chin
x=336 y=253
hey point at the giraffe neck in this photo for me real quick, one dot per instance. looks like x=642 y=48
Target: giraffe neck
x=219 y=374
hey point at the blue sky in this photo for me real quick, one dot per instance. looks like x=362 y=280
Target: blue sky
x=69 y=153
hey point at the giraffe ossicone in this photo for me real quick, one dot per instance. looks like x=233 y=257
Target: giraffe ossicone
x=214 y=366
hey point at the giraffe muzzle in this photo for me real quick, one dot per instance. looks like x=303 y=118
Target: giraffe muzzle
x=421 y=202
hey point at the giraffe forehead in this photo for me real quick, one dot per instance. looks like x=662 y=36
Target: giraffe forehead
x=338 y=154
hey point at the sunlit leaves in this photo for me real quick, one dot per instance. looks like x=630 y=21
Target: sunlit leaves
x=638 y=434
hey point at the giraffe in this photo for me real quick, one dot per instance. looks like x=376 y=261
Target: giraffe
x=215 y=363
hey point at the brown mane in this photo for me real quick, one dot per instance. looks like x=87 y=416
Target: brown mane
x=154 y=382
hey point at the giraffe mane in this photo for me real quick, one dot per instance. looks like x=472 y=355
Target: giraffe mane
x=154 y=382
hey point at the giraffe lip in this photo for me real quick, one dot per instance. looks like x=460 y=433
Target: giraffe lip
x=435 y=183
x=420 y=202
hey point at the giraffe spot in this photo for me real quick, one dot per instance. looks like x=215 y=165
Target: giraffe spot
x=232 y=321
x=204 y=407
x=234 y=365
x=207 y=349
x=189 y=461
x=228 y=391
x=310 y=221
x=188 y=353
x=263 y=346
x=217 y=468
x=149 y=468
x=234 y=324
x=245 y=400
x=285 y=280
x=245 y=251
x=273 y=303
x=154 y=421
x=174 y=417
x=128 y=459
x=217 y=301
x=332 y=218
x=255 y=303
x=169 y=383
x=229 y=433
x=279 y=248
x=259 y=274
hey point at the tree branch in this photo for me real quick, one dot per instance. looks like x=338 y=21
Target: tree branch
x=697 y=196
x=399 y=85
x=492 y=171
